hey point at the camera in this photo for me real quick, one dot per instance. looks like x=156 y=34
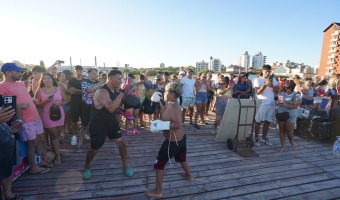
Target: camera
x=271 y=77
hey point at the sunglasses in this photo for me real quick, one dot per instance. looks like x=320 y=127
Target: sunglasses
x=204 y=77
x=222 y=83
x=158 y=79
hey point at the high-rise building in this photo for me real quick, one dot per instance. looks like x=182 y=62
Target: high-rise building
x=258 y=60
x=201 y=65
x=216 y=65
x=244 y=60
x=330 y=54
x=162 y=65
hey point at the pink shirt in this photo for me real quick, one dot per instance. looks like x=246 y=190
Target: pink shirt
x=19 y=90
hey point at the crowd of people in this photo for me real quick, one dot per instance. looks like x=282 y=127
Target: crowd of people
x=50 y=105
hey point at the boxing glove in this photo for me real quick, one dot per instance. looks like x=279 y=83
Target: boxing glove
x=156 y=97
x=159 y=125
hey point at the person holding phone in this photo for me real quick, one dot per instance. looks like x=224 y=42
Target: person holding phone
x=27 y=117
x=50 y=94
x=7 y=150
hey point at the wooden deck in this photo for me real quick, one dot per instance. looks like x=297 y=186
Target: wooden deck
x=309 y=172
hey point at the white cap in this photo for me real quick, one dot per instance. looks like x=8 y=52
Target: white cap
x=182 y=73
x=84 y=74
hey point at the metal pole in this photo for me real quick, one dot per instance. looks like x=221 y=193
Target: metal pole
x=71 y=63
x=95 y=61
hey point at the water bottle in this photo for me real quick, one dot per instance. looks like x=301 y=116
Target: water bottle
x=336 y=146
x=74 y=140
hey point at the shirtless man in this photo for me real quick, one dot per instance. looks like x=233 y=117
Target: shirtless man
x=106 y=100
x=175 y=139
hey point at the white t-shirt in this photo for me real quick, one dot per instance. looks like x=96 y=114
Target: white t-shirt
x=188 y=87
x=267 y=95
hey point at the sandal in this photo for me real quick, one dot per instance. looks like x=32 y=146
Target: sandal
x=128 y=171
x=86 y=174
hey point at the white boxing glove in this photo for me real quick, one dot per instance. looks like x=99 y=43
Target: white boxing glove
x=156 y=97
x=159 y=125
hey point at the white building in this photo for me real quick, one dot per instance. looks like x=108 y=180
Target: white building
x=216 y=65
x=162 y=65
x=201 y=65
x=258 y=60
x=244 y=60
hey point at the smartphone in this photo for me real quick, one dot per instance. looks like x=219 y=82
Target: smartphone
x=271 y=77
x=37 y=159
x=60 y=61
x=8 y=101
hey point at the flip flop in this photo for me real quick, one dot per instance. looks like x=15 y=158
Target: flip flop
x=86 y=174
x=128 y=171
x=44 y=171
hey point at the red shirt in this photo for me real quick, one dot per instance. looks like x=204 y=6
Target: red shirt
x=19 y=90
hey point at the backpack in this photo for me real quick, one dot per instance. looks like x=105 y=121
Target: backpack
x=55 y=113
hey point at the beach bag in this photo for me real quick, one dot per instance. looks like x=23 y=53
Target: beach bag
x=282 y=116
x=55 y=113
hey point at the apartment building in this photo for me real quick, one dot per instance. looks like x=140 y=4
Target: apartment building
x=216 y=65
x=201 y=65
x=330 y=54
x=244 y=60
x=258 y=60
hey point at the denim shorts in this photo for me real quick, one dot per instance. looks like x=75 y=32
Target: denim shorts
x=67 y=107
x=220 y=108
x=201 y=97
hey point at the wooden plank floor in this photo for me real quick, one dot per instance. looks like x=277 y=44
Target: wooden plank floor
x=309 y=172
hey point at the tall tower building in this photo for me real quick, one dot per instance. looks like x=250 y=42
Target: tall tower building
x=258 y=60
x=216 y=65
x=330 y=54
x=244 y=60
x=201 y=65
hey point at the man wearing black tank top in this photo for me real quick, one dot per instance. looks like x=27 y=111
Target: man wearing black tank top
x=103 y=122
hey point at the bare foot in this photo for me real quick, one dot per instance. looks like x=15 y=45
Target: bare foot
x=184 y=175
x=294 y=146
x=153 y=193
x=281 y=149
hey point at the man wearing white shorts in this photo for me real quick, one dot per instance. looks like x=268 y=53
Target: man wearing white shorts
x=188 y=96
x=265 y=87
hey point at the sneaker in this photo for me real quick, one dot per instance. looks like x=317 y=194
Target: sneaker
x=87 y=137
x=127 y=132
x=268 y=142
x=135 y=131
x=257 y=142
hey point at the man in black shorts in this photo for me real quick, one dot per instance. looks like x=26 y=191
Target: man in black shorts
x=103 y=122
x=74 y=88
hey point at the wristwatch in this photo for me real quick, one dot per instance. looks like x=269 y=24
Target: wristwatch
x=20 y=121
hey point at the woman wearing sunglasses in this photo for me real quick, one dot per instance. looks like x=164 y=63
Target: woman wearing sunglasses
x=288 y=101
x=222 y=96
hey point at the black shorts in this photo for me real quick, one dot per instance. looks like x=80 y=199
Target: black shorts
x=76 y=111
x=134 y=107
x=85 y=114
x=98 y=137
x=178 y=151
x=7 y=152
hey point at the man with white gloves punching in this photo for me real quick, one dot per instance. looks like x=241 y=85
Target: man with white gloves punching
x=174 y=144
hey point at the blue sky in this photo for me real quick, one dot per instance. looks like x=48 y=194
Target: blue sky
x=145 y=33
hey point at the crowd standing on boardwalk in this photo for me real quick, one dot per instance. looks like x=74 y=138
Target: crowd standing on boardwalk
x=50 y=105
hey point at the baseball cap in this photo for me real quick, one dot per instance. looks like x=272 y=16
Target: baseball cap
x=182 y=73
x=131 y=75
x=11 y=67
x=190 y=70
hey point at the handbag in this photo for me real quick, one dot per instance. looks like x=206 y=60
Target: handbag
x=55 y=113
x=282 y=116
